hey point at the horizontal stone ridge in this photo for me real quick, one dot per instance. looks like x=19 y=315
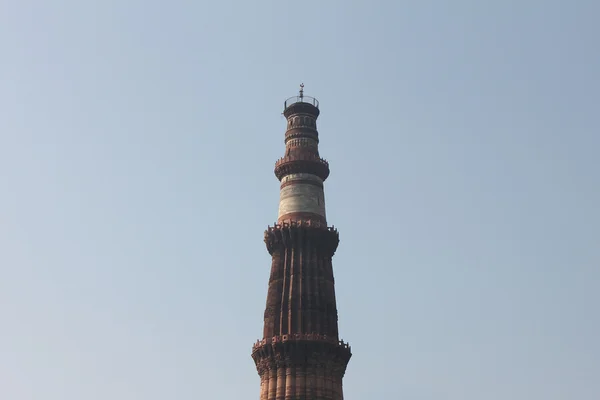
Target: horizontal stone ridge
x=298 y=337
x=323 y=239
x=308 y=163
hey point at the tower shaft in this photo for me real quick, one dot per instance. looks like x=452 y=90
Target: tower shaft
x=300 y=356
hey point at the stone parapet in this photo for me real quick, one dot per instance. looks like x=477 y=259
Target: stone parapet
x=299 y=337
x=325 y=239
x=308 y=163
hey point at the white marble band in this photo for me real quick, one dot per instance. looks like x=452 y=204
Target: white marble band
x=302 y=196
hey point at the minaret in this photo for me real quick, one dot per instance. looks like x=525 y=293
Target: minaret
x=301 y=356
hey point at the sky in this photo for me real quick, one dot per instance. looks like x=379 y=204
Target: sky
x=137 y=146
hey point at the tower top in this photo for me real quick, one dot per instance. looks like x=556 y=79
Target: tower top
x=304 y=104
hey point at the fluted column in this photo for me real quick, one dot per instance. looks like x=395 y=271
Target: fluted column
x=290 y=383
x=335 y=386
x=280 y=382
x=300 y=383
x=284 y=308
x=320 y=381
x=310 y=381
x=329 y=384
x=295 y=291
x=264 y=386
x=272 y=383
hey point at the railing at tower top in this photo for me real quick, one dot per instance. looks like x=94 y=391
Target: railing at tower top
x=301 y=99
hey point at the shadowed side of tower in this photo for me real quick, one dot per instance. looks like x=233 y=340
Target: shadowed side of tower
x=300 y=356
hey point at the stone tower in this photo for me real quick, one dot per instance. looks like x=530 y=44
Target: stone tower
x=301 y=356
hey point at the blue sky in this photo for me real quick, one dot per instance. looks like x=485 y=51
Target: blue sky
x=137 y=145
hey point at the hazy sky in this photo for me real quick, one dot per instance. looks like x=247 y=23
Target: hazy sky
x=137 y=146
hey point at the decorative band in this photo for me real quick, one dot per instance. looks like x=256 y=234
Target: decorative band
x=301 y=142
x=301 y=121
x=301 y=181
x=301 y=216
x=297 y=133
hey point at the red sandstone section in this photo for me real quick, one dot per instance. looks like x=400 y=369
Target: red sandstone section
x=301 y=294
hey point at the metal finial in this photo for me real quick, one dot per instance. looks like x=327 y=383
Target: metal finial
x=301 y=90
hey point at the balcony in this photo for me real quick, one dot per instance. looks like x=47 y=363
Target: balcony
x=301 y=99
